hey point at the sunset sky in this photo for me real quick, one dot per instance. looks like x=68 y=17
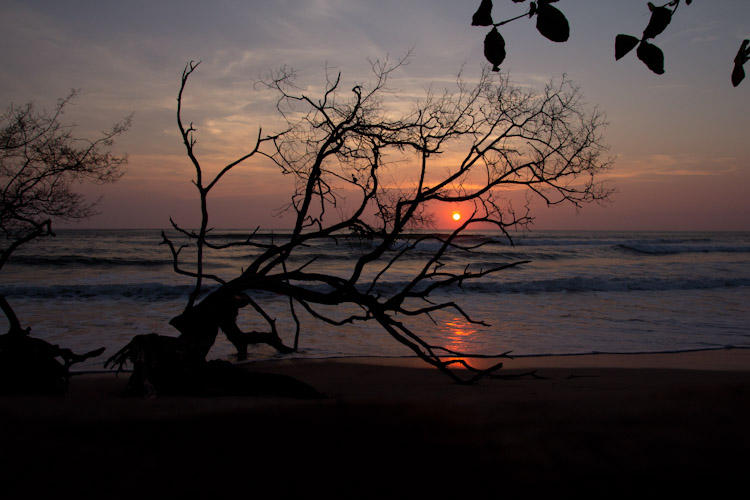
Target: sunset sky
x=681 y=139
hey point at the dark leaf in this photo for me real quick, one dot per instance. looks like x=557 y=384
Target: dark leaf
x=742 y=54
x=532 y=9
x=652 y=56
x=552 y=23
x=688 y=2
x=660 y=18
x=518 y=1
x=483 y=15
x=624 y=44
x=494 y=49
x=738 y=74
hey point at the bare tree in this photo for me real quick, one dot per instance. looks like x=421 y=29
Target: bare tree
x=342 y=148
x=41 y=162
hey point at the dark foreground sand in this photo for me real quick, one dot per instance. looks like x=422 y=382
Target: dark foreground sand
x=604 y=426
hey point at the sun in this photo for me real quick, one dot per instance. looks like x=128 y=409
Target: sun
x=456 y=216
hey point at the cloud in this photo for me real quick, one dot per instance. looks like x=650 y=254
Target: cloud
x=657 y=166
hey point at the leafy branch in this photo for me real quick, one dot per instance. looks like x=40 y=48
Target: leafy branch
x=550 y=22
x=553 y=24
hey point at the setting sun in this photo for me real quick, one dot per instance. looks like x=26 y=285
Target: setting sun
x=456 y=216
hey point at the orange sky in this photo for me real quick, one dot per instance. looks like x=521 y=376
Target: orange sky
x=679 y=138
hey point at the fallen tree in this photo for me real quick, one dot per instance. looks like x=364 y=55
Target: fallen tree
x=475 y=145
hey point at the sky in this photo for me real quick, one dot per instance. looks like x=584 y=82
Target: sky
x=679 y=139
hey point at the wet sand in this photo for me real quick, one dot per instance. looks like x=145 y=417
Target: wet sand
x=605 y=426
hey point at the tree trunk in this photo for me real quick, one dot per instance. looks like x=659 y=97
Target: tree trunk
x=14 y=325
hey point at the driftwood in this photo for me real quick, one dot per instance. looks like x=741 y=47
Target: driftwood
x=30 y=365
x=178 y=365
x=199 y=325
x=165 y=365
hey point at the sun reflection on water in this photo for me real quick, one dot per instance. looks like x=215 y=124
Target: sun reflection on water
x=459 y=334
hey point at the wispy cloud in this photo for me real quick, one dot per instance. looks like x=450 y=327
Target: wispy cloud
x=674 y=165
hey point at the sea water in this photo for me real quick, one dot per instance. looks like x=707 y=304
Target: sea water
x=580 y=292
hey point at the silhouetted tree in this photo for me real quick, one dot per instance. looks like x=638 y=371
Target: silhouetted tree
x=41 y=161
x=553 y=24
x=341 y=150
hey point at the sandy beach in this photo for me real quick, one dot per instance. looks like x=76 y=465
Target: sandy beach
x=610 y=426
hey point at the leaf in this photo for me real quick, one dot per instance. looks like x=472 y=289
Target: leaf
x=652 y=56
x=742 y=54
x=483 y=15
x=660 y=18
x=624 y=44
x=551 y=23
x=532 y=9
x=738 y=74
x=494 y=48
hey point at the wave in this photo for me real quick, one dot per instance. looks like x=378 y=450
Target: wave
x=422 y=253
x=87 y=261
x=581 y=284
x=542 y=249
x=163 y=292
x=143 y=291
x=575 y=284
x=647 y=248
x=130 y=252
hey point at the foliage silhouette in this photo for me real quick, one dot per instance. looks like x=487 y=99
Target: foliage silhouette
x=483 y=15
x=743 y=54
x=624 y=44
x=40 y=162
x=550 y=22
x=553 y=24
x=494 y=48
x=342 y=149
x=651 y=55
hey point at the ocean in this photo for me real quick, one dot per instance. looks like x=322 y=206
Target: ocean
x=581 y=292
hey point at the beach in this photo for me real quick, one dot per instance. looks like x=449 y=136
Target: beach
x=598 y=425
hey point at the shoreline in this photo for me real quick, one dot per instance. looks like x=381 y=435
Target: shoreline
x=601 y=425
x=696 y=359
